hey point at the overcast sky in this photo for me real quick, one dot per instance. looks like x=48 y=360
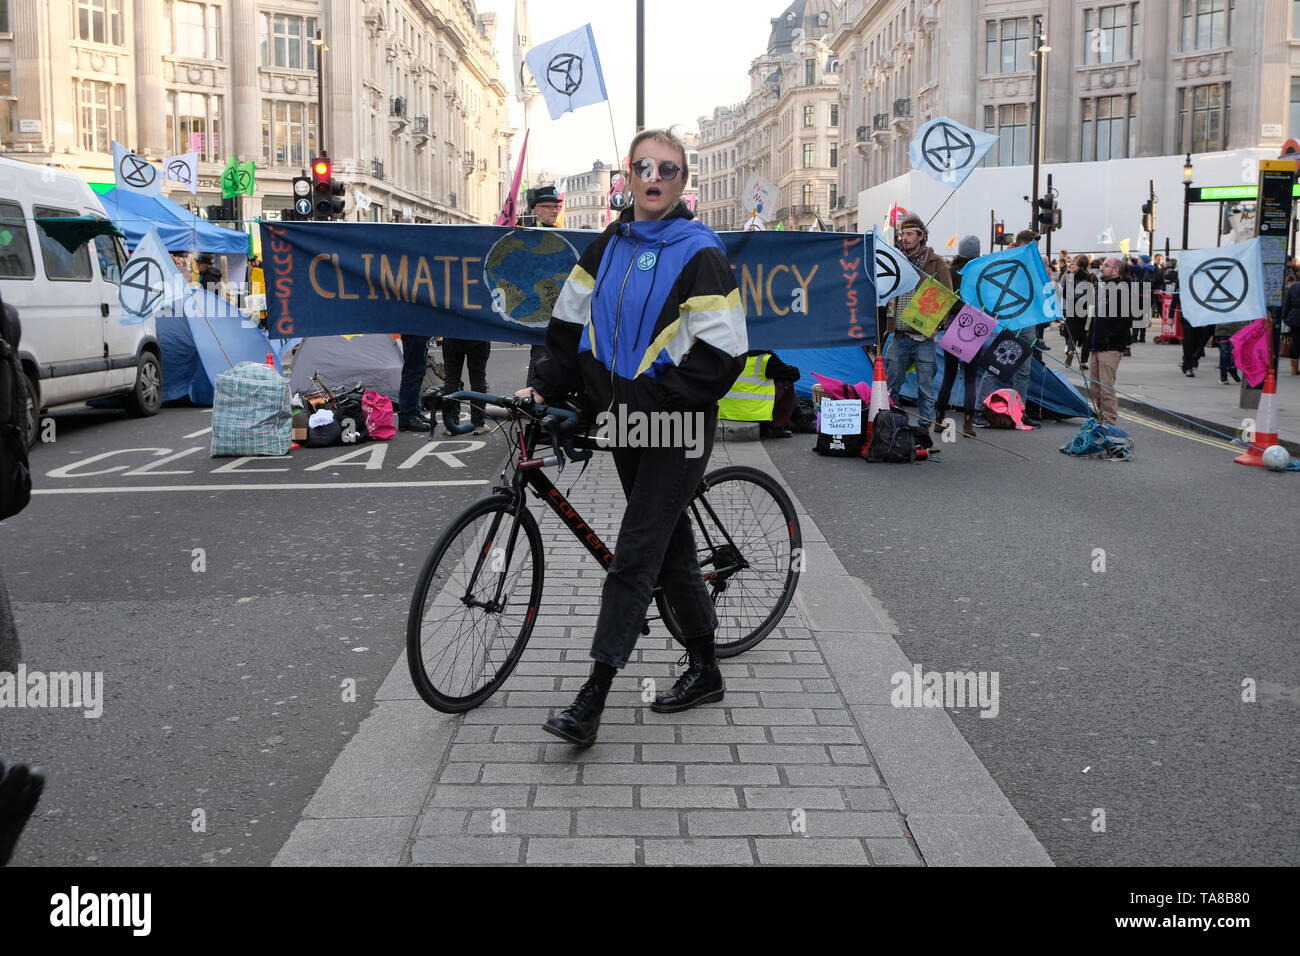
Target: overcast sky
x=697 y=57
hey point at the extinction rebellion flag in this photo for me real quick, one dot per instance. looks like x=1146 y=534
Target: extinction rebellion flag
x=1225 y=284
x=1012 y=286
x=568 y=72
x=945 y=150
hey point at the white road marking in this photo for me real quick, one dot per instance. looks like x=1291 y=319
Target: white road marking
x=201 y=431
x=315 y=486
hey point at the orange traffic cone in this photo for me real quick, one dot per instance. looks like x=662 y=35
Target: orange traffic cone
x=1266 y=430
x=879 y=395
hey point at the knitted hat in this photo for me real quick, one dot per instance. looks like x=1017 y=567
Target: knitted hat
x=969 y=247
x=913 y=221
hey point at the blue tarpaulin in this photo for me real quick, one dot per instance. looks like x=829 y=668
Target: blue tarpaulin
x=1047 y=387
x=202 y=337
x=180 y=230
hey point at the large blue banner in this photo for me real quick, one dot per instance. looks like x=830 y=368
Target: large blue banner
x=497 y=283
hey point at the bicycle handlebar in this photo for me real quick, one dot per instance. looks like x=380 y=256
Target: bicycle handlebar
x=560 y=423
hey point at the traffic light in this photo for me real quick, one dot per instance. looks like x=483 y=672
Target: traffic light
x=1148 y=217
x=1049 y=216
x=302 y=204
x=1000 y=237
x=337 y=202
x=321 y=168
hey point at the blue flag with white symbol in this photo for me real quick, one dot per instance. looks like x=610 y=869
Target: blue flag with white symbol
x=1011 y=286
x=945 y=150
x=567 y=71
x=1224 y=284
x=895 y=276
x=149 y=280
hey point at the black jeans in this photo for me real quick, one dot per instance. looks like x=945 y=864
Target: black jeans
x=471 y=353
x=655 y=545
x=1194 y=341
x=950 y=365
x=415 y=362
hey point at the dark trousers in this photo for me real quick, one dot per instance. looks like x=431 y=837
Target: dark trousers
x=1194 y=340
x=473 y=354
x=415 y=362
x=655 y=544
x=950 y=366
x=784 y=403
x=535 y=353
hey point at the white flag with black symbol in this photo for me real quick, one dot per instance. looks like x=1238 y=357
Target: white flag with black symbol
x=567 y=71
x=135 y=174
x=150 y=280
x=183 y=169
x=525 y=85
x=1224 y=284
x=894 y=274
x=946 y=150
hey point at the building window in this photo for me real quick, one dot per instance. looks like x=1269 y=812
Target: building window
x=808 y=190
x=835 y=194
x=835 y=154
x=835 y=111
x=1293 y=119
x=100 y=21
x=1110 y=34
x=1203 y=118
x=1006 y=46
x=101 y=110
x=192 y=29
x=1207 y=23
x=288 y=133
x=6 y=104
x=809 y=72
x=286 y=41
x=1109 y=125
x=1295 y=20
x=194 y=124
x=1010 y=122
x=808 y=149
x=4 y=16
x=808 y=113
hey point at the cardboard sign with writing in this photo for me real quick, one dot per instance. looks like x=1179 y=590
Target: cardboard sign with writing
x=969 y=330
x=928 y=306
x=840 y=417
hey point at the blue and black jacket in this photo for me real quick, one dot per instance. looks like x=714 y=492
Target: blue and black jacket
x=649 y=318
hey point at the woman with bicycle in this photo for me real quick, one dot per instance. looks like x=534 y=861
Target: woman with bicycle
x=649 y=321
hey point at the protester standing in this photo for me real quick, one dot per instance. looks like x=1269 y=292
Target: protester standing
x=988 y=383
x=1223 y=333
x=683 y=281
x=906 y=345
x=415 y=364
x=967 y=249
x=544 y=203
x=472 y=356
x=1110 y=331
x=1080 y=292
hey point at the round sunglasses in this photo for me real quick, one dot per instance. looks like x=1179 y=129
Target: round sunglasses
x=645 y=169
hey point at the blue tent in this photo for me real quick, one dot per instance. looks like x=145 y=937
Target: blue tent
x=180 y=230
x=201 y=337
x=1047 y=387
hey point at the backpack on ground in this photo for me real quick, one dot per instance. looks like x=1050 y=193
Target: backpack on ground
x=839 y=446
x=892 y=439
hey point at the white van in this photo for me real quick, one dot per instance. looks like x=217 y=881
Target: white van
x=74 y=346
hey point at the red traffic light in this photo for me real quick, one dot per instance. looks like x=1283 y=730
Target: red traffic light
x=321 y=169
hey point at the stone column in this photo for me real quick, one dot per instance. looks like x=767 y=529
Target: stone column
x=147 y=31
x=1060 y=99
x=341 y=24
x=1157 y=112
x=242 y=131
x=42 y=74
x=959 y=38
x=1261 y=73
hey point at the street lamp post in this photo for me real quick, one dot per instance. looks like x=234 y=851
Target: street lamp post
x=321 y=48
x=1187 y=195
x=1040 y=74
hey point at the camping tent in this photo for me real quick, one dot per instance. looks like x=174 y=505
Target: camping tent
x=1047 y=387
x=179 y=229
x=201 y=337
x=344 y=361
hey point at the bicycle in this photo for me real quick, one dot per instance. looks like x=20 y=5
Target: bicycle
x=479 y=592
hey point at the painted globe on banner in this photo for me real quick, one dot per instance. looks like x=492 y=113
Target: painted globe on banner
x=1276 y=458
x=524 y=271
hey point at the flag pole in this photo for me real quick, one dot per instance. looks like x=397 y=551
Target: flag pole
x=939 y=210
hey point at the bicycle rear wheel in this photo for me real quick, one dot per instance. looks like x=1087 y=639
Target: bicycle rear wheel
x=747 y=538
x=474 y=605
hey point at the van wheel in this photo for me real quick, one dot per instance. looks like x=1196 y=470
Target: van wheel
x=146 y=397
x=32 y=416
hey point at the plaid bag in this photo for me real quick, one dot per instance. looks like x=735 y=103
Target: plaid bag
x=250 y=412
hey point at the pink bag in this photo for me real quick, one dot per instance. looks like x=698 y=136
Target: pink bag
x=378 y=410
x=1006 y=405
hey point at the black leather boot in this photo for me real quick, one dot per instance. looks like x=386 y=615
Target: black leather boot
x=579 y=722
x=701 y=684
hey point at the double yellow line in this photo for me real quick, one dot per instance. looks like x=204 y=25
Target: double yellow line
x=1182 y=433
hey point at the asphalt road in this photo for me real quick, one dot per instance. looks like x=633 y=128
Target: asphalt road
x=1120 y=690
x=223 y=686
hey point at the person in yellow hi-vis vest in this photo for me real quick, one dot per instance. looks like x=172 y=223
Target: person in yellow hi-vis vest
x=763 y=393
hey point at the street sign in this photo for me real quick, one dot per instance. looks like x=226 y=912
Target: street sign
x=1273 y=223
x=1226 y=193
x=302 y=206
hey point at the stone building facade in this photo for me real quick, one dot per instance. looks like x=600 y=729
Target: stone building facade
x=415 y=111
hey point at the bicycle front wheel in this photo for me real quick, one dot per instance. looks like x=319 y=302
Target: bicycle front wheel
x=474 y=605
x=748 y=540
